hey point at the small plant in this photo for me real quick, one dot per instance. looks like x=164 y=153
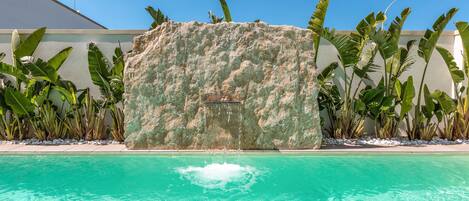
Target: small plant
x=226 y=14
x=158 y=17
x=47 y=124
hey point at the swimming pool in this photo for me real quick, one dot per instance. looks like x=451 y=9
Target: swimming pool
x=234 y=177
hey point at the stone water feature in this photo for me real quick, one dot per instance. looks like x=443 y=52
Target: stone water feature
x=222 y=86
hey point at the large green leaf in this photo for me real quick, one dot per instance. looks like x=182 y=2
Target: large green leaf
x=56 y=61
x=447 y=104
x=395 y=28
x=428 y=42
x=404 y=59
x=13 y=71
x=119 y=63
x=226 y=11
x=69 y=95
x=463 y=29
x=18 y=102
x=407 y=92
x=98 y=67
x=29 y=45
x=369 y=23
x=429 y=107
x=345 y=46
x=42 y=71
x=42 y=96
x=456 y=74
x=316 y=24
x=385 y=44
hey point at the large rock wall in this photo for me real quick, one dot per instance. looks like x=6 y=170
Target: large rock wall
x=227 y=85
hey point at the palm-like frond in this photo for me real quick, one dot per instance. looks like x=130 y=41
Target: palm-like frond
x=369 y=23
x=158 y=17
x=29 y=45
x=405 y=61
x=98 y=67
x=456 y=74
x=316 y=24
x=344 y=45
x=41 y=70
x=463 y=29
x=56 y=61
x=119 y=63
x=396 y=26
x=428 y=43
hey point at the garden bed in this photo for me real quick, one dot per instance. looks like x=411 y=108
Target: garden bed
x=391 y=142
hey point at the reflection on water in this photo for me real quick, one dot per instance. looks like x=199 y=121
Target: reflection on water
x=224 y=176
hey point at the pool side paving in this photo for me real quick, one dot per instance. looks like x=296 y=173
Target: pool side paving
x=121 y=149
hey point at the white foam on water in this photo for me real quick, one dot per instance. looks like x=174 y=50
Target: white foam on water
x=223 y=176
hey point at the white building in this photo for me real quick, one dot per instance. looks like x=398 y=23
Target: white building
x=31 y=14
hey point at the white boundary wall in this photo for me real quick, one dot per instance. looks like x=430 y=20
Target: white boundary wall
x=76 y=67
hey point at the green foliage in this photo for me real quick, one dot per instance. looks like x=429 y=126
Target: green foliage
x=463 y=29
x=56 y=61
x=428 y=43
x=158 y=17
x=48 y=124
x=107 y=76
x=456 y=74
x=316 y=24
x=41 y=70
x=12 y=71
x=18 y=102
x=226 y=11
x=405 y=94
x=213 y=18
x=28 y=46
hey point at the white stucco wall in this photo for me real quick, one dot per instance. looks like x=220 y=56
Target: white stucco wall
x=76 y=67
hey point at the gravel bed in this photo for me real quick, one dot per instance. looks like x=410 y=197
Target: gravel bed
x=60 y=142
x=391 y=142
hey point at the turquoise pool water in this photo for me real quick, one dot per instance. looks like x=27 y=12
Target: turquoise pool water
x=234 y=177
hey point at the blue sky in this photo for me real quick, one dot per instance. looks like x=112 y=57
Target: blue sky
x=342 y=14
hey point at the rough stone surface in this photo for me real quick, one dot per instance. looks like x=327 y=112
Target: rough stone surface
x=222 y=86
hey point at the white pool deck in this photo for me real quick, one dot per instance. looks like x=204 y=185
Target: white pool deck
x=329 y=149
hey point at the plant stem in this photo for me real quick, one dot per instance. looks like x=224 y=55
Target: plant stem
x=417 y=109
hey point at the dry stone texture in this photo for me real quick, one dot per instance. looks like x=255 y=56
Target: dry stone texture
x=227 y=85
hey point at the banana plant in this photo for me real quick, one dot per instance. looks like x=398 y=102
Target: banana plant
x=396 y=60
x=427 y=45
x=158 y=17
x=459 y=126
x=33 y=76
x=108 y=77
x=355 y=57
